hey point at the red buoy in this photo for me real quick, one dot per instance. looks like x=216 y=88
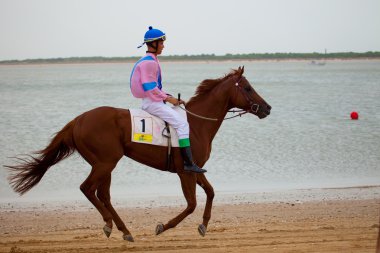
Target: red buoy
x=354 y=115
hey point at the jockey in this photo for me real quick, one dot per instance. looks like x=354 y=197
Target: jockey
x=146 y=84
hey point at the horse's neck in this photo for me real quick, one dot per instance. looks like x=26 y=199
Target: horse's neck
x=213 y=105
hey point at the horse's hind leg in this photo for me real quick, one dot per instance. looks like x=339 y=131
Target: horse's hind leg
x=103 y=194
x=188 y=183
x=90 y=185
x=203 y=182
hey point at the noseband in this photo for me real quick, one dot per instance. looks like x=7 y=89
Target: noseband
x=253 y=107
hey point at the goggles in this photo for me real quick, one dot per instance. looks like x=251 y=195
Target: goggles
x=163 y=37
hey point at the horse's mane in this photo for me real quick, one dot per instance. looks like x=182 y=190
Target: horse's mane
x=207 y=85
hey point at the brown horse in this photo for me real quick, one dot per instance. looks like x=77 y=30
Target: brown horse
x=102 y=137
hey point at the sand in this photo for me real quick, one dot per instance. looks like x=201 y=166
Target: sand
x=340 y=225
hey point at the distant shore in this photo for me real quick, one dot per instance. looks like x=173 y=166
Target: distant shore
x=307 y=61
x=206 y=58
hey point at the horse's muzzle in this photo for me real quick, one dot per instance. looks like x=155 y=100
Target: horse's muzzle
x=263 y=111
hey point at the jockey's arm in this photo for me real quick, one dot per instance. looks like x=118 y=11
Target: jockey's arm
x=150 y=82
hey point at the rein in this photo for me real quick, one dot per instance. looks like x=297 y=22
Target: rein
x=241 y=112
x=196 y=115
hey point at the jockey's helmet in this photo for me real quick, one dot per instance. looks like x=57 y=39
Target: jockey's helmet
x=153 y=35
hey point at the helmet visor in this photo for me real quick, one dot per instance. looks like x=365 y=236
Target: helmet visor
x=163 y=37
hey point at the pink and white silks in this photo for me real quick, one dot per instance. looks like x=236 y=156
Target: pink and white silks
x=146 y=83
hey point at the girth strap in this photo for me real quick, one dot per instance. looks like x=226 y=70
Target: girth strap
x=166 y=133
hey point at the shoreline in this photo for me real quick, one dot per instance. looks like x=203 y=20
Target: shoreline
x=355 y=193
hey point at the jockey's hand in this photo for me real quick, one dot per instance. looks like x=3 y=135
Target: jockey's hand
x=174 y=101
x=181 y=102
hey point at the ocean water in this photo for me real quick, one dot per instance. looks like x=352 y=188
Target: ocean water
x=308 y=141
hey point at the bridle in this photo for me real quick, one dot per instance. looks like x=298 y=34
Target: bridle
x=254 y=108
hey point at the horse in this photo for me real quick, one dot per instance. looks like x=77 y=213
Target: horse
x=102 y=136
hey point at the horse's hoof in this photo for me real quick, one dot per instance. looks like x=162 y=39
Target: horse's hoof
x=128 y=238
x=202 y=229
x=107 y=230
x=159 y=228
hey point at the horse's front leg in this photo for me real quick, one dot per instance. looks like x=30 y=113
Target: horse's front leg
x=188 y=183
x=202 y=181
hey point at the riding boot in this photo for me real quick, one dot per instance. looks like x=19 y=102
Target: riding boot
x=189 y=165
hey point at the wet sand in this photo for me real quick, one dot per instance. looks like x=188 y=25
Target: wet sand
x=295 y=226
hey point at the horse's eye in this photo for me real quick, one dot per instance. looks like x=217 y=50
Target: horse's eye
x=248 y=88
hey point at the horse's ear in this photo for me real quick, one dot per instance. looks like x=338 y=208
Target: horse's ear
x=240 y=71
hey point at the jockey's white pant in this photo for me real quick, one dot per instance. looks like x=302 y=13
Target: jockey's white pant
x=168 y=114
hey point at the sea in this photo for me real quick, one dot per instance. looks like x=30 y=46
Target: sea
x=308 y=142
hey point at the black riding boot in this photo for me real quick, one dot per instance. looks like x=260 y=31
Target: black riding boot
x=189 y=165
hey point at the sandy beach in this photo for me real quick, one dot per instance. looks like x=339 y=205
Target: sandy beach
x=342 y=224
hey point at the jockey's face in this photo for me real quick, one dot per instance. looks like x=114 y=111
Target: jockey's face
x=156 y=47
x=160 y=46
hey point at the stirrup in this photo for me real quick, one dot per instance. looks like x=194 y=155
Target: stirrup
x=194 y=168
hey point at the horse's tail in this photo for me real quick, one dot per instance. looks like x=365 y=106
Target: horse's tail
x=31 y=169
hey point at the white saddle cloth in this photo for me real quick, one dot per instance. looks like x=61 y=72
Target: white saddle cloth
x=149 y=129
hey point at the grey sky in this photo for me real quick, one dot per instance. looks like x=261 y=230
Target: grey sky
x=65 y=28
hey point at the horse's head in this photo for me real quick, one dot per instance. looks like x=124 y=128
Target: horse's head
x=230 y=91
x=246 y=98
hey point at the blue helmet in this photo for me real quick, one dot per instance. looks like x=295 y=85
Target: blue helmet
x=153 y=35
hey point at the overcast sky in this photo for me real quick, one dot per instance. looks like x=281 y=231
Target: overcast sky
x=65 y=28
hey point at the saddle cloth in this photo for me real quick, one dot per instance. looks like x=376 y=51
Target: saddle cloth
x=149 y=129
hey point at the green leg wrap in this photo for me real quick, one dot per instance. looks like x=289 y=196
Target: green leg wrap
x=184 y=143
